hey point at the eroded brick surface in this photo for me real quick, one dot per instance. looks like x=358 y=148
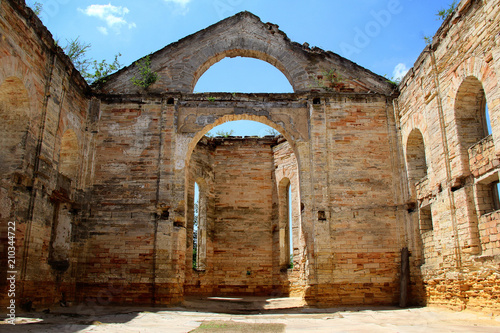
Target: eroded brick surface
x=100 y=181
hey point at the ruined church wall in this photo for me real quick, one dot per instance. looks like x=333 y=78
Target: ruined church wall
x=131 y=231
x=43 y=97
x=453 y=238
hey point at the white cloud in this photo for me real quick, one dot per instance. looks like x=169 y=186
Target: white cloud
x=399 y=71
x=179 y=2
x=103 y=30
x=112 y=15
x=182 y=8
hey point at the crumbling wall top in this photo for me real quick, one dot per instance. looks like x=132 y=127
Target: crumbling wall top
x=182 y=63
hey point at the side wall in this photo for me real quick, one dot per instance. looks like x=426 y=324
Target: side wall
x=452 y=236
x=42 y=101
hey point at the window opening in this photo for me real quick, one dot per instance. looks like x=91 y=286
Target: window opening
x=195 y=224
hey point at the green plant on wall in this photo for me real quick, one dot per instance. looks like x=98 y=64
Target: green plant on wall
x=146 y=75
x=392 y=80
x=36 y=6
x=329 y=80
x=444 y=13
x=427 y=40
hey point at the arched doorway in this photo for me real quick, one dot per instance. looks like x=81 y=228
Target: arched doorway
x=242 y=218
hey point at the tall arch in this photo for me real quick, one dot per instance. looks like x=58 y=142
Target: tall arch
x=247 y=213
x=470 y=116
x=415 y=157
x=14 y=106
x=256 y=54
x=284 y=222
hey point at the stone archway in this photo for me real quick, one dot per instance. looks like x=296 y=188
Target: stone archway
x=242 y=227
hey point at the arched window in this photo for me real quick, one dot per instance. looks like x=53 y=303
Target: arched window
x=286 y=246
x=200 y=226
x=471 y=117
x=415 y=157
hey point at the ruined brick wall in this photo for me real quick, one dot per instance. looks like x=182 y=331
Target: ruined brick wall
x=44 y=108
x=109 y=190
x=451 y=224
x=242 y=229
x=101 y=182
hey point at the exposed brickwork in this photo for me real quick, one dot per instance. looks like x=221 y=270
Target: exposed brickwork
x=482 y=157
x=444 y=96
x=41 y=96
x=100 y=181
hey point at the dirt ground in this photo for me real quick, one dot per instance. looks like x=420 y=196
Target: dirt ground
x=237 y=315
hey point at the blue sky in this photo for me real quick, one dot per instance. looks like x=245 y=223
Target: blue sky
x=384 y=36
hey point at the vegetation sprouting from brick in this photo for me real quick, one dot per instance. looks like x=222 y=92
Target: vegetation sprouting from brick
x=329 y=80
x=395 y=81
x=37 y=8
x=445 y=12
x=90 y=69
x=146 y=76
x=441 y=16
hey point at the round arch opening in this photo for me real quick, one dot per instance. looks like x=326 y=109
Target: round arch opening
x=243 y=75
x=241 y=53
x=472 y=118
x=243 y=211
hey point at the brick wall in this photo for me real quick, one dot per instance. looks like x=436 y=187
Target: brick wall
x=444 y=96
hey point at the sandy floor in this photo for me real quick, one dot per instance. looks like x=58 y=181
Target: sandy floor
x=185 y=319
